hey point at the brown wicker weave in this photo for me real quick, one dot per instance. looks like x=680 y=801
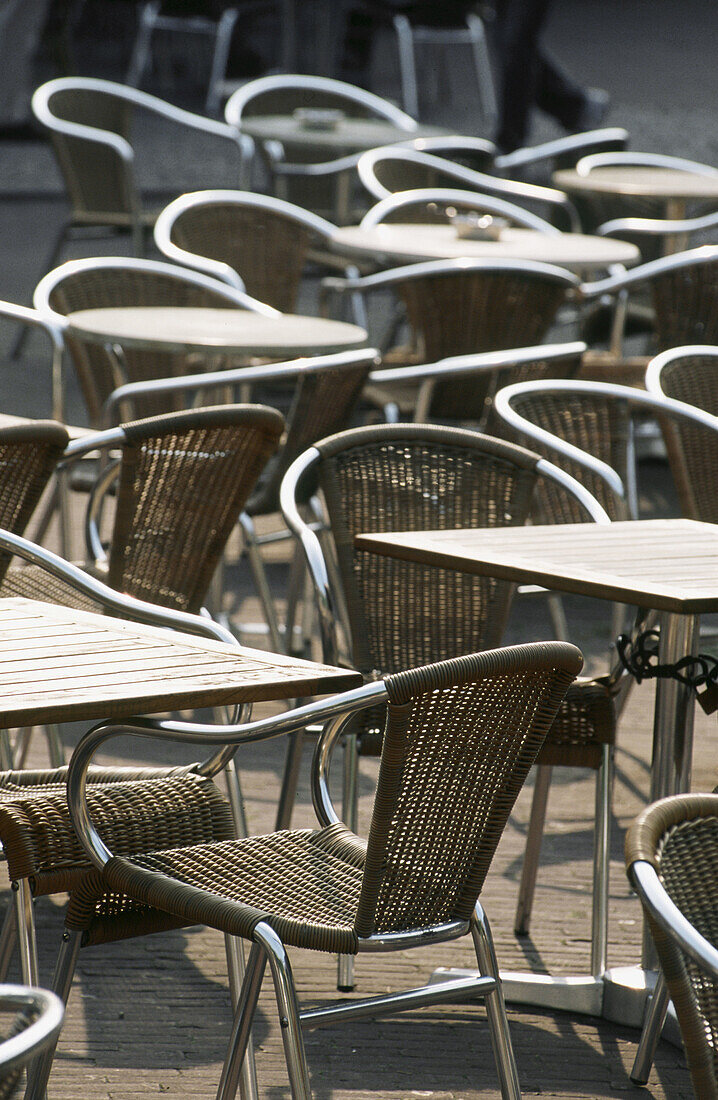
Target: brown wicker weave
x=484 y=307
x=268 y=249
x=678 y=836
x=460 y=737
x=29 y=454
x=693 y=450
x=124 y=285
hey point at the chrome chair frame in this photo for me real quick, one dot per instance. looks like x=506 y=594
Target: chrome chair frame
x=320 y=227
x=391 y=207
x=236 y=107
x=619 y=285
x=472 y=34
x=649 y=160
x=656 y=366
x=46 y=1011
x=466 y=178
x=564 y=149
x=133 y=217
x=454 y=147
x=151 y=19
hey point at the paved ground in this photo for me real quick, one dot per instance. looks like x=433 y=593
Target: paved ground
x=152 y=1016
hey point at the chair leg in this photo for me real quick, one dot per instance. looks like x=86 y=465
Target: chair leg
x=290 y=780
x=7 y=941
x=259 y=575
x=25 y=926
x=236 y=799
x=482 y=62
x=601 y=863
x=345 y=963
x=39 y=1072
x=495 y=1007
x=288 y=1011
x=234 y=948
x=223 y=41
x=141 y=50
x=537 y=818
x=242 y=1027
x=652 y=1028
x=407 y=65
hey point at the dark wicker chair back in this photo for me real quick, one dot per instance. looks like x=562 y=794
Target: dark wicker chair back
x=184 y=479
x=126 y=285
x=402 y=614
x=267 y=248
x=685 y=299
x=459 y=740
x=678 y=837
x=598 y=425
x=693 y=450
x=323 y=403
x=459 y=312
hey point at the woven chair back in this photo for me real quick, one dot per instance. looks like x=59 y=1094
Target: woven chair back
x=679 y=836
x=323 y=403
x=459 y=740
x=396 y=173
x=403 y=614
x=692 y=449
x=184 y=479
x=596 y=424
x=686 y=305
x=285 y=100
x=99 y=182
x=267 y=248
x=29 y=454
x=461 y=312
x=107 y=287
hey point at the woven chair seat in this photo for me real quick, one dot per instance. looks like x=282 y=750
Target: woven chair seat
x=32 y=582
x=305 y=884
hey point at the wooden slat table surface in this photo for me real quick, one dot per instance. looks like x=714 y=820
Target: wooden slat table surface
x=668 y=565
x=58 y=664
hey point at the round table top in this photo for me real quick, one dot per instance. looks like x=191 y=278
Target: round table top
x=640 y=180
x=350 y=135
x=397 y=242
x=185 y=328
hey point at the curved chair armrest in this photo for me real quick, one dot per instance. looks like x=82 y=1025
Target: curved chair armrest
x=318 y=168
x=654 y=160
x=626 y=279
x=229 y=736
x=441 y=267
x=491 y=203
x=17 y=1050
x=612 y=136
x=666 y=913
x=117 y=602
x=477 y=362
x=656 y=365
x=657 y=227
x=307 y=538
x=292 y=368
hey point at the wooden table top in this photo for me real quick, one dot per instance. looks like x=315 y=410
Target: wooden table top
x=186 y=328
x=349 y=135
x=397 y=242
x=640 y=180
x=667 y=565
x=63 y=665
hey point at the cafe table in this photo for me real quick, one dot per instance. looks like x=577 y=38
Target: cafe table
x=674 y=186
x=235 y=333
x=405 y=243
x=670 y=566
x=61 y=664
x=346 y=135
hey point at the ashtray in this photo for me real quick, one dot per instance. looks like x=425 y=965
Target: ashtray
x=479 y=227
x=315 y=118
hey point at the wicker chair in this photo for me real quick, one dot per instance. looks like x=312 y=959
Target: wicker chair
x=249 y=241
x=690 y=374
x=393 y=614
x=326 y=390
x=38 y=1016
x=89 y=123
x=587 y=429
x=683 y=293
x=428 y=205
x=672 y=862
x=297 y=172
x=595 y=207
x=563 y=152
x=459 y=739
x=391 y=169
x=459 y=307
x=183 y=479
x=100 y=282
